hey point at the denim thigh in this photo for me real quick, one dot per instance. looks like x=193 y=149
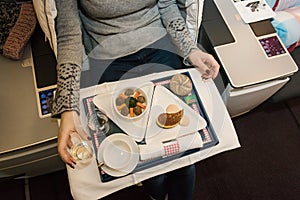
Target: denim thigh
x=143 y=62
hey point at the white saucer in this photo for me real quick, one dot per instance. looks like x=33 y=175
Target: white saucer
x=134 y=159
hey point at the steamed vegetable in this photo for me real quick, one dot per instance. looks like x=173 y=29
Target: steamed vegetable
x=131 y=102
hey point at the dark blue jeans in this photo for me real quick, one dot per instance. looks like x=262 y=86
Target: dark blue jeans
x=157 y=57
x=178 y=184
x=143 y=62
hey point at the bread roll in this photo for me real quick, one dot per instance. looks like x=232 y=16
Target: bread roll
x=181 y=85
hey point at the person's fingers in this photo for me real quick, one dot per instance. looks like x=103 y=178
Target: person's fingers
x=205 y=63
x=66 y=129
x=215 y=70
x=65 y=143
x=64 y=153
x=70 y=124
x=208 y=72
x=67 y=158
x=203 y=69
x=69 y=143
x=213 y=67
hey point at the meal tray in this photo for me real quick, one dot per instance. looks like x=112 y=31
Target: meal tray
x=208 y=134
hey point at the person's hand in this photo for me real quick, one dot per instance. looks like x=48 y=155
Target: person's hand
x=205 y=63
x=70 y=123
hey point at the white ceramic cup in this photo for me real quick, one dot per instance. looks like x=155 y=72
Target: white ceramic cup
x=117 y=154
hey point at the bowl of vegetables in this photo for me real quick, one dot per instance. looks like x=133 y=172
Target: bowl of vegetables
x=130 y=103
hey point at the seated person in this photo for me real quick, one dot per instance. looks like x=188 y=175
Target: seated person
x=141 y=31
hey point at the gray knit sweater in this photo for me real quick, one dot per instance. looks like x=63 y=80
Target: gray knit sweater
x=110 y=29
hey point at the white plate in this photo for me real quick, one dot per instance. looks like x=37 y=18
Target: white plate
x=134 y=159
x=162 y=98
x=135 y=128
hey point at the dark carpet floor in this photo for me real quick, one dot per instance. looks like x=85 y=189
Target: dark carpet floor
x=266 y=167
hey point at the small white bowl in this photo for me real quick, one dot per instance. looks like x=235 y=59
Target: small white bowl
x=117 y=154
x=119 y=105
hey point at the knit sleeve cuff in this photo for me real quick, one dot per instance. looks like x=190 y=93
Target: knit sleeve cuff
x=67 y=92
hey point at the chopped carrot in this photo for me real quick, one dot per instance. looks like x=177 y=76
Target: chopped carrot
x=131 y=114
x=136 y=94
x=120 y=107
x=123 y=96
x=141 y=105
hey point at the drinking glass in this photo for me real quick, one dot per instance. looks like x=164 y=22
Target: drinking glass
x=99 y=123
x=103 y=123
x=81 y=149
